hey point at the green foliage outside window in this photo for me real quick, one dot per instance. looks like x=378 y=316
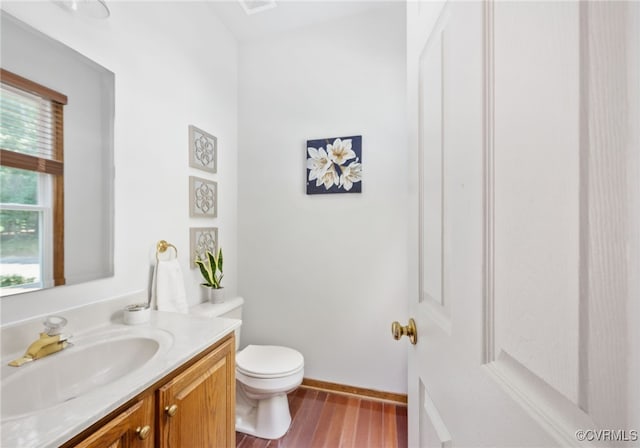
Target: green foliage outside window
x=13 y=280
x=18 y=228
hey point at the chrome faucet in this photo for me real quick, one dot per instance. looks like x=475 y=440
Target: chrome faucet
x=49 y=342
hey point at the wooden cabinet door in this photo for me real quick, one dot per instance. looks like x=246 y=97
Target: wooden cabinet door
x=197 y=407
x=133 y=428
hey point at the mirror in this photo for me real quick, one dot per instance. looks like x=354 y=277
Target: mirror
x=27 y=241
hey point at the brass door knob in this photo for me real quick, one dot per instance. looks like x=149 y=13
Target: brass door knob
x=143 y=431
x=410 y=330
x=171 y=410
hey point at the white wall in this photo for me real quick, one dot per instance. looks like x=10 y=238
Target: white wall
x=175 y=65
x=326 y=274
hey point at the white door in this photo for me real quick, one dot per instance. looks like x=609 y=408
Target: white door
x=524 y=138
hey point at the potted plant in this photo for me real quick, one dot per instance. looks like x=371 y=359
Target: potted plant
x=211 y=270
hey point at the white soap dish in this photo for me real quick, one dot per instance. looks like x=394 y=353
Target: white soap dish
x=138 y=313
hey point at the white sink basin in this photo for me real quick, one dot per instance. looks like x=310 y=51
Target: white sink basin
x=93 y=361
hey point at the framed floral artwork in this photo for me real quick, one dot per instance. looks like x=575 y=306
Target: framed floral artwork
x=203 y=240
x=334 y=165
x=203 y=197
x=203 y=150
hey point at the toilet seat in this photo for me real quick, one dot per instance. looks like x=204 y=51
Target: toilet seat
x=269 y=361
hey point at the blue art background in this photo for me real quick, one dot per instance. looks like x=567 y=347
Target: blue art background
x=356 y=146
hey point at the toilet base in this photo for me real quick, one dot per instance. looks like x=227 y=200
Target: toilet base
x=268 y=418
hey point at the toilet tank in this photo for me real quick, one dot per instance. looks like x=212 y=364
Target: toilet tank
x=230 y=308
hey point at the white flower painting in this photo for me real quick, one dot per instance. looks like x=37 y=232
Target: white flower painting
x=334 y=165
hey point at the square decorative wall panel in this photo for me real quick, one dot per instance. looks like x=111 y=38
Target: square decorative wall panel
x=203 y=150
x=334 y=165
x=203 y=240
x=203 y=197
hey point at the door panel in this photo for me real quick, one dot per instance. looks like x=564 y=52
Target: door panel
x=536 y=179
x=433 y=431
x=431 y=65
x=612 y=37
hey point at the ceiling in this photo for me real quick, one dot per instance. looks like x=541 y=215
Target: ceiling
x=287 y=15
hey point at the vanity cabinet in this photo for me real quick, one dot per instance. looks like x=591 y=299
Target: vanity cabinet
x=194 y=406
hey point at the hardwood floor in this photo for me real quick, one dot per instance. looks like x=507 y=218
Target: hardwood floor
x=322 y=419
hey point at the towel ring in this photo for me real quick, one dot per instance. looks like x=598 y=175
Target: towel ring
x=162 y=247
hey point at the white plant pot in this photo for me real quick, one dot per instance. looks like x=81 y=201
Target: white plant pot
x=214 y=295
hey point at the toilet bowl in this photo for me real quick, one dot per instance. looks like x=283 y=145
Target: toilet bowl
x=265 y=374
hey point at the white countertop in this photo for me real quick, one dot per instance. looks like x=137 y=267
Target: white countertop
x=187 y=335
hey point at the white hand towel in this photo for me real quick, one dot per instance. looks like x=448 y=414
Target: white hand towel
x=168 y=293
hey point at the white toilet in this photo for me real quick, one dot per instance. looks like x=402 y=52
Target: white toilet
x=264 y=376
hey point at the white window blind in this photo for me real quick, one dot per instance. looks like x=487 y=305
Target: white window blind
x=31 y=121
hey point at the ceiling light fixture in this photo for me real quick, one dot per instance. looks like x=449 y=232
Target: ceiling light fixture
x=255 y=6
x=96 y=9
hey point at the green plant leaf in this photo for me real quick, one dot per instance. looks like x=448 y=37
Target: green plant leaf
x=213 y=264
x=205 y=272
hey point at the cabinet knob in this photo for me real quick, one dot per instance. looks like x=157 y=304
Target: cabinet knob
x=171 y=410
x=143 y=431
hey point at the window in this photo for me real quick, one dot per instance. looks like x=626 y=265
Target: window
x=32 y=185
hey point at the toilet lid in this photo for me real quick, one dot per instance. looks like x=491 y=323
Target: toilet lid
x=268 y=361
